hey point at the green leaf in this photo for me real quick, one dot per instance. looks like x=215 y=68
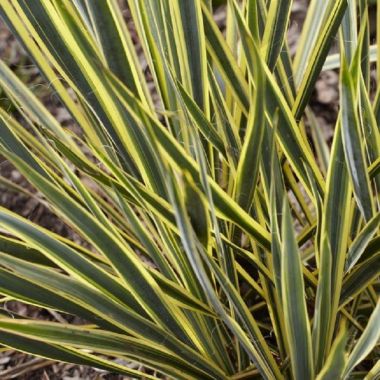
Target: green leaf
x=224 y=58
x=333 y=60
x=66 y=257
x=217 y=230
x=249 y=161
x=224 y=204
x=360 y=277
x=317 y=52
x=293 y=144
x=193 y=38
x=366 y=342
x=361 y=241
x=64 y=354
x=104 y=342
x=115 y=43
x=275 y=30
x=316 y=14
x=336 y=224
x=336 y=361
x=322 y=313
x=125 y=262
x=200 y=120
x=24 y=96
x=297 y=327
x=353 y=148
x=374 y=373
x=256 y=347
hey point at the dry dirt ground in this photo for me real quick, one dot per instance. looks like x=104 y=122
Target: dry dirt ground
x=14 y=365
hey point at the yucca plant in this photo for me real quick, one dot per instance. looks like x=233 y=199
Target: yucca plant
x=223 y=237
